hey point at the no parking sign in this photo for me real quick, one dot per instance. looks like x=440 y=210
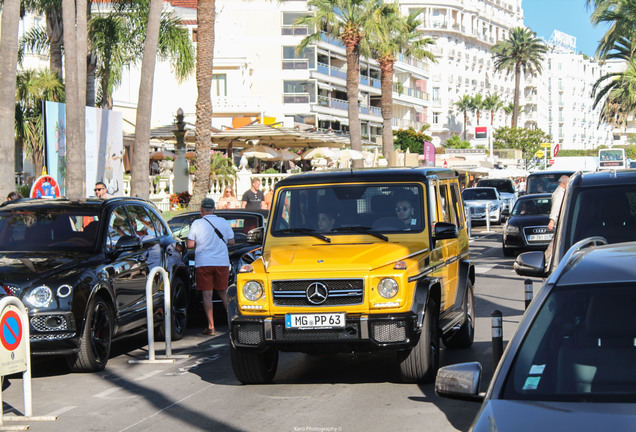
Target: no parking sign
x=12 y=341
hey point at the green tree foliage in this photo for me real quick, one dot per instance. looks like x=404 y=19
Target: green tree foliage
x=455 y=142
x=410 y=139
x=526 y=140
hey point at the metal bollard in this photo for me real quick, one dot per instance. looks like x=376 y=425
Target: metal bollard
x=528 y=288
x=497 y=337
x=488 y=218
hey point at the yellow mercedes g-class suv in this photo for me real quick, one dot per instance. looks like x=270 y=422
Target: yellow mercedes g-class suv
x=357 y=260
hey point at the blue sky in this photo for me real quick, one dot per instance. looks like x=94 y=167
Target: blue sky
x=567 y=16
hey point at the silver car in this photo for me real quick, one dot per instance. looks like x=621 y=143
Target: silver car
x=570 y=364
x=483 y=203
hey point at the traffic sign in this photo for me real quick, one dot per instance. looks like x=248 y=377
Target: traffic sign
x=550 y=161
x=539 y=154
x=556 y=150
x=45 y=187
x=546 y=145
x=445 y=164
x=13 y=341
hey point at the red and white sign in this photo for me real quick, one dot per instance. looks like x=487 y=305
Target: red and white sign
x=45 y=187
x=445 y=164
x=481 y=132
x=555 y=152
x=550 y=161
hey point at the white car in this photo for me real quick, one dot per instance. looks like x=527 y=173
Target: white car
x=483 y=203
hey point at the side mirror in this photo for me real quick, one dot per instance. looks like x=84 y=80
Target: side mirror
x=128 y=243
x=255 y=236
x=445 y=230
x=531 y=264
x=459 y=381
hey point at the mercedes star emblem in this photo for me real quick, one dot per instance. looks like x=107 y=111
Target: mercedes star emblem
x=317 y=293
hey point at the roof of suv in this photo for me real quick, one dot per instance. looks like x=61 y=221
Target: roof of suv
x=366 y=175
x=604 y=178
x=604 y=264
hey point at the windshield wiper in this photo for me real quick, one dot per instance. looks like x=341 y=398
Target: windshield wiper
x=364 y=230
x=309 y=231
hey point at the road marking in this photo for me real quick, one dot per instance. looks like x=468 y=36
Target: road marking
x=107 y=392
x=484 y=268
x=197 y=362
x=62 y=410
x=148 y=375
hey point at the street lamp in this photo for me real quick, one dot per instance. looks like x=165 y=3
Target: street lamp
x=180 y=182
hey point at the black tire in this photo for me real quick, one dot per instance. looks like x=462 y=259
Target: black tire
x=507 y=252
x=179 y=313
x=96 y=338
x=420 y=363
x=463 y=338
x=253 y=366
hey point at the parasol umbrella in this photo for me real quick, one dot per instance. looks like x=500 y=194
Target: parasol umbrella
x=318 y=153
x=190 y=154
x=260 y=152
x=348 y=154
x=286 y=155
x=162 y=154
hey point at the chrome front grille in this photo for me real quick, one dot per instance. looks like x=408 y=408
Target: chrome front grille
x=339 y=292
x=49 y=323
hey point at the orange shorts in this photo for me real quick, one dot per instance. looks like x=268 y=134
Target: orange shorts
x=212 y=278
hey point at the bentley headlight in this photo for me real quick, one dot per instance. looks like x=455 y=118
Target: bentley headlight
x=388 y=288
x=253 y=290
x=40 y=297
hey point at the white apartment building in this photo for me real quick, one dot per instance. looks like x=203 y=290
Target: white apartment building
x=464 y=31
x=559 y=101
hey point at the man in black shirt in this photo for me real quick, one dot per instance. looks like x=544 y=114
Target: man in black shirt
x=254 y=197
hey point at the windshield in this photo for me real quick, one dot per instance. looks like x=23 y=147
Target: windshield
x=241 y=224
x=479 y=194
x=503 y=185
x=544 y=182
x=349 y=209
x=532 y=206
x=48 y=229
x=609 y=212
x=572 y=351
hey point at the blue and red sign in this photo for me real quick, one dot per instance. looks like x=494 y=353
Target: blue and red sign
x=10 y=330
x=45 y=187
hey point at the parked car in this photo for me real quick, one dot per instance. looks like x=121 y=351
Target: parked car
x=527 y=227
x=246 y=248
x=480 y=201
x=357 y=261
x=81 y=268
x=570 y=364
x=507 y=192
x=595 y=204
x=544 y=181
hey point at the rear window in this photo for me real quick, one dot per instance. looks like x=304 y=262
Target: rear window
x=505 y=186
x=478 y=194
x=544 y=182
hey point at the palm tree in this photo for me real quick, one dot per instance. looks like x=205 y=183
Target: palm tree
x=389 y=35
x=346 y=20
x=492 y=103
x=621 y=17
x=140 y=171
x=8 y=67
x=51 y=39
x=75 y=179
x=476 y=105
x=205 y=54
x=464 y=105
x=523 y=52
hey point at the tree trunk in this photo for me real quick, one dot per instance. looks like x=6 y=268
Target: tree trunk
x=353 y=83
x=386 y=85
x=82 y=31
x=8 y=73
x=55 y=31
x=515 y=111
x=73 y=173
x=140 y=169
x=205 y=56
x=465 y=123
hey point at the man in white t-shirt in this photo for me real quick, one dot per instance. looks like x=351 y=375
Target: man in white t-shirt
x=209 y=237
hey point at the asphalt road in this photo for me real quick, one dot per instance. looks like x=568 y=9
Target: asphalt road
x=310 y=392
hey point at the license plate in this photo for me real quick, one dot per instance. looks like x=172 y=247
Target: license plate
x=315 y=321
x=539 y=237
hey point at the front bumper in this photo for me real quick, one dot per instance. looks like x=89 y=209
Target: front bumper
x=361 y=332
x=478 y=214
x=53 y=333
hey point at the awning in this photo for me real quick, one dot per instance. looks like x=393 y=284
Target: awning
x=419 y=108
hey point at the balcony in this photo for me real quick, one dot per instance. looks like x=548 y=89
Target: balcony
x=292 y=30
x=295 y=64
x=332 y=71
x=339 y=104
x=408 y=91
x=331 y=40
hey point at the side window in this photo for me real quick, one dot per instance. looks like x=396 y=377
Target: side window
x=458 y=208
x=162 y=230
x=118 y=226
x=142 y=224
x=443 y=212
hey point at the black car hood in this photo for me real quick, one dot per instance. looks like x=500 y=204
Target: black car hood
x=22 y=267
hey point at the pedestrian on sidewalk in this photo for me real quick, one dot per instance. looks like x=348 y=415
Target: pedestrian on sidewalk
x=209 y=237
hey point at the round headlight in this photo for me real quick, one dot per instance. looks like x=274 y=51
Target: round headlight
x=253 y=290
x=388 y=288
x=40 y=297
x=64 y=291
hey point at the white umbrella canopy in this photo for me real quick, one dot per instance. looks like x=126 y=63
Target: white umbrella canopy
x=260 y=152
x=318 y=153
x=348 y=154
x=286 y=155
